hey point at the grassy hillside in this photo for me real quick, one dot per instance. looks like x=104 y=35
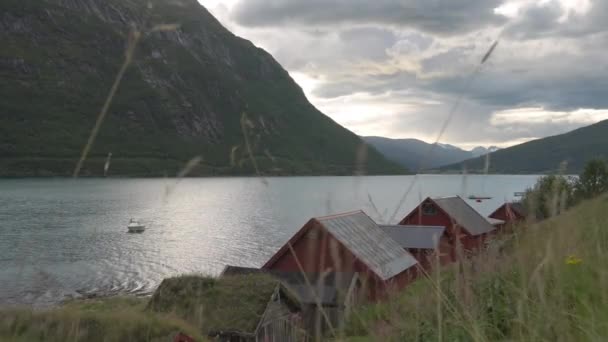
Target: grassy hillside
x=546 y=155
x=545 y=283
x=114 y=319
x=184 y=95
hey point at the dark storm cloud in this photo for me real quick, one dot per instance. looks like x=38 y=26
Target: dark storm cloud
x=554 y=87
x=397 y=54
x=560 y=80
x=543 y=20
x=369 y=84
x=367 y=42
x=437 y=16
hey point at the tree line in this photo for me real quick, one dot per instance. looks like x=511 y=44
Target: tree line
x=552 y=194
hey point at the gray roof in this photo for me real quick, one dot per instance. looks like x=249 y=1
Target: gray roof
x=466 y=217
x=362 y=236
x=418 y=237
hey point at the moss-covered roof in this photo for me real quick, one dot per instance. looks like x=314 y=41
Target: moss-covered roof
x=233 y=304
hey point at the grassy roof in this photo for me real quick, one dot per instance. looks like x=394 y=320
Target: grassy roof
x=233 y=304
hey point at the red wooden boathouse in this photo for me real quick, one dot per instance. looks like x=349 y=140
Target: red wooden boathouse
x=512 y=212
x=350 y=242
x=466 y=229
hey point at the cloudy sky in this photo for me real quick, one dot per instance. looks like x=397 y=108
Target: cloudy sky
x=395 y=67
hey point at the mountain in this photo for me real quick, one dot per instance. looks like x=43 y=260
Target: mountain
x=546 y=155
x=481 y=151
x=410 y=153
x=191 y=90
x=448 y=146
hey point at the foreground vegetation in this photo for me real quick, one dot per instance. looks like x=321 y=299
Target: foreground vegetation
x=546 y=282
x=553 y=194
x=193 y=305
x=110 y=319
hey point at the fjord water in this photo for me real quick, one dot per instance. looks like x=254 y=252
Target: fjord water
x=67 y=238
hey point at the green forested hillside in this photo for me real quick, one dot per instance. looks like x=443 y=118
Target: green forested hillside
x=183 y=96
x=571 y=151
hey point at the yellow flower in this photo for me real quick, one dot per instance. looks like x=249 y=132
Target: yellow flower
x=573 y=260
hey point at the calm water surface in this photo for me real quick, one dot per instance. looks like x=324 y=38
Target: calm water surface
x=67 y=238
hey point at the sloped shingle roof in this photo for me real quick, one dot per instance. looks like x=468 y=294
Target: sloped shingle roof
x=516 y=208
x=519 y=208
x=418 y=237
x=364 y=238
x=466 y=217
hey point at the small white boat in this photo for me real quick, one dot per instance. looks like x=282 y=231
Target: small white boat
x=135 y=227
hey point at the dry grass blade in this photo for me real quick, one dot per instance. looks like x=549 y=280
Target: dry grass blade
x=190 y=165
x=309 y=285
x=374 y=207
x=134 y=38
x=245 y=126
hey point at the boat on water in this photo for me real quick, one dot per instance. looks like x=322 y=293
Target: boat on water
x=135 y=227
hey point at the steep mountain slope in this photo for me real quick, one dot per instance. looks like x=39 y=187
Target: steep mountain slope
x=184 y=95
x=411 y=152
x=546 y=155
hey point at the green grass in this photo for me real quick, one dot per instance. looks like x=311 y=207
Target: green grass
x=195 y=305
x=113 y=319
x=233 y=303
x=525 y=287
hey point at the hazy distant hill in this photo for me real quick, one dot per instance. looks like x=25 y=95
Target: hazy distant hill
x=411 y=152
x=546 y=155
x=480 y=150
x=183 y=96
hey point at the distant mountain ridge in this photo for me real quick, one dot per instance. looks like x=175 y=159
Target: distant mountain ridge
x=194 y=89
x=481 y=151
x=410 y=153
x=560 y=153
